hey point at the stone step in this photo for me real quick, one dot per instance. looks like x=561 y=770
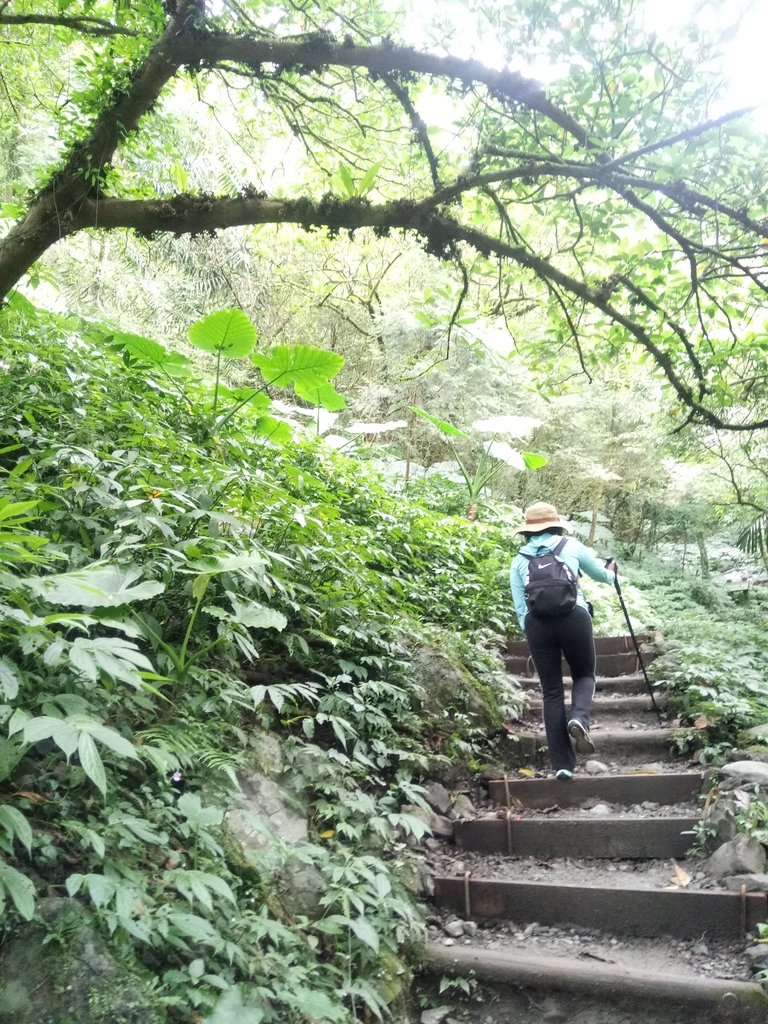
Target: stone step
x=630 y=910
x=662 y=788
x=602 y=837
x=648 y=744
x=609 y=704
x=707 y=999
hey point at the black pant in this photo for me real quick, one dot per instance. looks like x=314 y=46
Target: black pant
x=550 y=640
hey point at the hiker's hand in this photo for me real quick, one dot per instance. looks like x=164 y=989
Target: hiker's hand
x=611 y=566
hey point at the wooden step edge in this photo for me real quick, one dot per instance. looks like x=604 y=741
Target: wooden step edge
x=602 y=683
x=604 y=837
x=662 y=788
x=682 y=913
x=726 y=999
x=617 y=701
x=630 y=738
x=637 y=708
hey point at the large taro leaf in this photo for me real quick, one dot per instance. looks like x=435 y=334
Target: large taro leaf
x=299 y=365
x=149 y=351
x=228 y=333
x=322 y=395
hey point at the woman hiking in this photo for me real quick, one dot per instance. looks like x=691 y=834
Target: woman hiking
x=553 y=614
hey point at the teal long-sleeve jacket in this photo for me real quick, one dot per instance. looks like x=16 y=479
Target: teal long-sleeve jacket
x=574 y=554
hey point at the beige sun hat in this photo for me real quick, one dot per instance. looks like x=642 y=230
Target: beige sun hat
x=539 y=516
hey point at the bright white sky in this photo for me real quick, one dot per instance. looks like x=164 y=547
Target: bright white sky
x=744 y=41
x=743 y=44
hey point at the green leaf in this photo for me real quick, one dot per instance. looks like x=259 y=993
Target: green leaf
x=298 y=364
x=274 y=430
x=365 y=932
x=345 y=177
x=47 y=727
x=152 y=352
x=95 y=840
x=108 y=737
x=445 y=428
x=313 y=1004
x=324 y=396
x=139 y=827
x=74 y=883
x=228 y=333
x=231 y=1009
x=16 y=825
x=20 y=888
x=91 y=762
x=98 y=585
x=100 y=889
x=200 y=586
x=115 y=657
x=214 y=564
x=191 y=807
x=368 y=179
x=200 y=884
x=191 y=926
x=143 y=348
x=10 y=754
x=9 y=679
x=13 y=513
x=257 y=616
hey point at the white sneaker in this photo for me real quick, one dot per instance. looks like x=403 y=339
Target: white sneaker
x=582 y=741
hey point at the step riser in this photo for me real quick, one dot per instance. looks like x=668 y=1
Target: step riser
x=577 y=837
x=603 y=645
x=628 y=685
x=606 y=665
x=737 y=1002
x=610 y=705
x=642 y=912
x=613 y=789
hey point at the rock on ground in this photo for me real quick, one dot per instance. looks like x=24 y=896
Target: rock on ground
x=742 y=855
x=748 y=771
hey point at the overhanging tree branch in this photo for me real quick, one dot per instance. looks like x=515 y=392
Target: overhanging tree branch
x=194 y=214
x=84 y=24
x=309 y=79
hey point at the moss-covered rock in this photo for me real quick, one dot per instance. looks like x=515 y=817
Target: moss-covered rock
x=60 y=971
x=442 y=683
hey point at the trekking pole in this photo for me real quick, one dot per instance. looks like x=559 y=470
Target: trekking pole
x=634 y=640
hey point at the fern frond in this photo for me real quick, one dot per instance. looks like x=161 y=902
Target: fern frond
x=175 y=739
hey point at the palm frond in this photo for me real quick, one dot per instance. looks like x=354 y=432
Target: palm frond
x=754 y=538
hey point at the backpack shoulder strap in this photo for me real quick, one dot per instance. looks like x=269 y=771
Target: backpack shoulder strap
x=559 y=547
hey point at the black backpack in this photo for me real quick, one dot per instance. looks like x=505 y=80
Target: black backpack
x=552 y=588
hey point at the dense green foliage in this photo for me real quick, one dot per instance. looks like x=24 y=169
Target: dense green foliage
x=169 y=593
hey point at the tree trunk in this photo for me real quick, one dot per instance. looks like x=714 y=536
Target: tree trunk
x=472 y=511
x=595 y=511
x=703 y=557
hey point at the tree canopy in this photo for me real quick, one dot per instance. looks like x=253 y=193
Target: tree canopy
x=620 y=201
